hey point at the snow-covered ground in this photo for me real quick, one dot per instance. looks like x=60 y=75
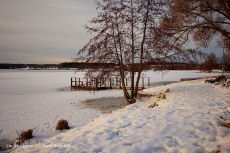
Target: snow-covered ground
x=186 y=121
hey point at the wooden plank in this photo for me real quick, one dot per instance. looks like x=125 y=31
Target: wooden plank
x=128 y=88
x=120 y=82
x=110 y=81
x=113 y=83
x=96 y=84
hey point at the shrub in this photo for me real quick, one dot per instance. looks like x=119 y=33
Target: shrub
x=25 y=135
x=62 y=124
x=167 y=90
x=163 y=97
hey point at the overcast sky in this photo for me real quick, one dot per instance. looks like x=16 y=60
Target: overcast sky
x=45 y=31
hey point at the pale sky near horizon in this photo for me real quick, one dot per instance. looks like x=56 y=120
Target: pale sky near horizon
x=46 y=31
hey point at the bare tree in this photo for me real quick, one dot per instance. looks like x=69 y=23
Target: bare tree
x=211 y=61
x=201 y=19
x=128 y=34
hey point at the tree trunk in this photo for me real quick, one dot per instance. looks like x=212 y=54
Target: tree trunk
x=142 y=50
x=121 y=67
x=133 y=52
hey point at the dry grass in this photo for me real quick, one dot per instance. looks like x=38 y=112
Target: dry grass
x=132 y=101
x=153 y=105
x=62 y=124
x=224 y=122
x=161 y=97
x=25 y=135
x=141 y=95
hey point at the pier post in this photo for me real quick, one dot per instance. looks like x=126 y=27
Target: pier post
x=130 y=83
x=110 y=81
x=143 y=82
x=96 y=83
x=120 y=82
x=91 y=82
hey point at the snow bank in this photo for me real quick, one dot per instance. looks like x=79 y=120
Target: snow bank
x=186 y=121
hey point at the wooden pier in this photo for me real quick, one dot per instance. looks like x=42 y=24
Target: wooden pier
x=106 y=83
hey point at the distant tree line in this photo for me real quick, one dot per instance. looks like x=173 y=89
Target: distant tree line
x=83 y=65
x=21 y=66
x=210 y=62
x=214 y=62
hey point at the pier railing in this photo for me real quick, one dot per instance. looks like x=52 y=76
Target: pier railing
x=105 y=83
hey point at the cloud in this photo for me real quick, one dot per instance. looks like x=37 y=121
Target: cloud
x=43 y=28
x=36 y=31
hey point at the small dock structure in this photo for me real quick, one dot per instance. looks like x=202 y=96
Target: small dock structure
x=105 y=83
